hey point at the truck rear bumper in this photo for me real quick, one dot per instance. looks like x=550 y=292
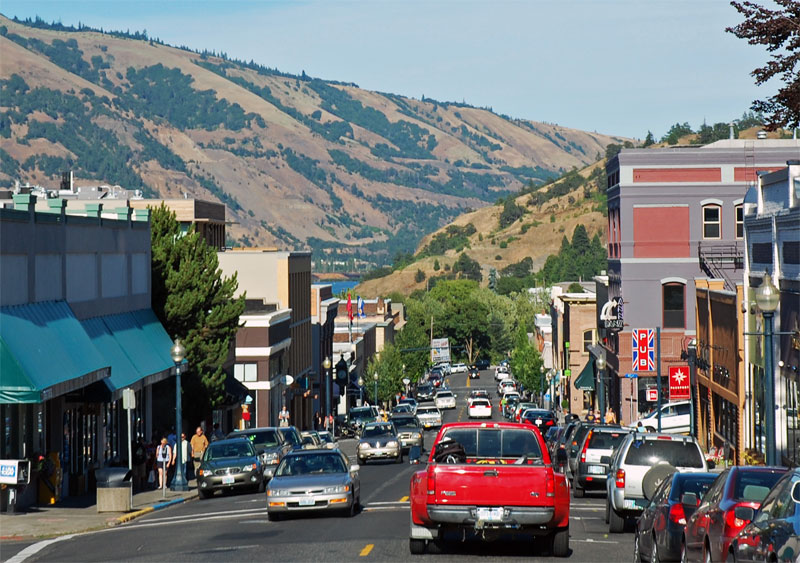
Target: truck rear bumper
x=512 y=515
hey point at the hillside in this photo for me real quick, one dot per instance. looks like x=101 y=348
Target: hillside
x=299 y=162
x=546 y=215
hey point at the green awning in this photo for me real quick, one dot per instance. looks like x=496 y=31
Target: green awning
x=585 y=381
x=135 y=345
x=45 y=353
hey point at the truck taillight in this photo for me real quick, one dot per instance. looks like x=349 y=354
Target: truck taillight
x=586 y=446
x=677 y=515
x=550 y=485
x=431 y=482
x=620 y=478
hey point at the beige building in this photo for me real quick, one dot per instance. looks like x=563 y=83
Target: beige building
x=281 y=281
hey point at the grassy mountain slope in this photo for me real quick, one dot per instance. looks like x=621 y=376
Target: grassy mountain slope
x=299 y=162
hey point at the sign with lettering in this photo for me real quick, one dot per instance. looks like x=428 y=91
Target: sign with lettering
x=679 y=383
x=644 y=349
x=612 y=315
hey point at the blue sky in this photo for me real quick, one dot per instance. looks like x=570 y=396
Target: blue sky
x=620 y=67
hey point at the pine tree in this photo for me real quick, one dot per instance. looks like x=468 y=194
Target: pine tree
x=195 y=303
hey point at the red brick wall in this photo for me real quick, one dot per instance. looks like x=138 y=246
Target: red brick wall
x=749 y=174
x=677 y=175
x=661 y=232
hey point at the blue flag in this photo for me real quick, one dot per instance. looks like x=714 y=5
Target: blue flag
x=361 y=307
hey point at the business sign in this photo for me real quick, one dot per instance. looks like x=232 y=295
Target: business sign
x=15 y=471
x=612 y=316
x=644 y=349
x=652 y=394
x=440 y=350
x=679 y=383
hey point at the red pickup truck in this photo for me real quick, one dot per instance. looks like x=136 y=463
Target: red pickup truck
x=487 y=479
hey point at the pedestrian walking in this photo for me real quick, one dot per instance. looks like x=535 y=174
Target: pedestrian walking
x=611 y=416
x=185 y=453
x=139 y=464
x=283 y=417
x=199 y=444
x=163 y=461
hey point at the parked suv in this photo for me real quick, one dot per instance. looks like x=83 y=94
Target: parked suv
x=675 y=418
x=637 y=453
x=270 y=444
x=590 y=472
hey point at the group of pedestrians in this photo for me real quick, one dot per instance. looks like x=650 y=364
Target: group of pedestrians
x=594 y=416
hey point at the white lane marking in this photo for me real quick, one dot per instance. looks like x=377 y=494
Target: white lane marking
x=185 y=520
x=253 y=521
x=35 y=548
x=590 y=540
x=403 y=502
x=586 y=518
x=241 y=512
x=376 y=508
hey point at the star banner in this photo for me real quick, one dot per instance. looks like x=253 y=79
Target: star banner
x=679 y=383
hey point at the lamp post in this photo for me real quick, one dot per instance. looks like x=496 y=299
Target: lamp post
x=178 y=353
x=600 y=363
x=375 y=379
x=692 y=357
x=326 y=365
x=361 y=388
x=767 y=298
x=541 y=386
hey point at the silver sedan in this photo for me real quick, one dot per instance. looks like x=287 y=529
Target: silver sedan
x=314 y=480
x=379 y=440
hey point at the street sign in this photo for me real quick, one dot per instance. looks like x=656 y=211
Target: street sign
x=128 y=399
x=652 y=394
x=679 y=383
x=644 y=349
x=631 y=375
x=440 y=350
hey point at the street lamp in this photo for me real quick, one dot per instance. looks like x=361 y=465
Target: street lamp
x=600 y=364
x=361 y=388
x=178 y=353
x=375 y=379
x=326 y=365
x=767 y=297
x=692 y=357
x=541 y=386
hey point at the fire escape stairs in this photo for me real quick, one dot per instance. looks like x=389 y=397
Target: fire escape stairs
x=720 y=261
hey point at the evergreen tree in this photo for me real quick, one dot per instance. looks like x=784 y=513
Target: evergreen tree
x=649 y=140
x=195 y=303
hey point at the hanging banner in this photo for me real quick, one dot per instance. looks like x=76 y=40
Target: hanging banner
x=440 y=350
x=679 y=383
x=644 y=349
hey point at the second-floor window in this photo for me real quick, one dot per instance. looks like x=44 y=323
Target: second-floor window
x=245 y=372
x=674 y=299
x=711 y=222
x=739 y=217
x=588 y=339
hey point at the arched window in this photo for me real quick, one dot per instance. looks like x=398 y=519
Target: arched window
x=712 y=227
x=674 y=305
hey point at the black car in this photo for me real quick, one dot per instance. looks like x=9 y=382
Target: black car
x=659 y=528
x=269 y=443
x=775 y=527
x=474 y=373
x=424 y=392
x=542 y=419
x=229 y=464
x=482 y=364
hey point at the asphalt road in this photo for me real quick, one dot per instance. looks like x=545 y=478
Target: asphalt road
x=235 y=527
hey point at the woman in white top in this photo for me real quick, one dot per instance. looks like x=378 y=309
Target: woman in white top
x=163 y=460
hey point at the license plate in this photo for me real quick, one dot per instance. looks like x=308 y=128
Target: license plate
x=538 y=421
x=228 y=479
x=597 y=470
x=490 y=514
x=306 y=502
x=630 y=503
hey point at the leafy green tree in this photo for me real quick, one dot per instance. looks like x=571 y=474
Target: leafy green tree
x=525 y=360
x=468 y=268
x=419 y=277
x=195 y=303
x=436 y=266
x=511 y=212
x=575 y=287
x=676 y=132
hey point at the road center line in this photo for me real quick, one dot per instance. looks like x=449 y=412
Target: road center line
x=404 y=499
x=366 y=550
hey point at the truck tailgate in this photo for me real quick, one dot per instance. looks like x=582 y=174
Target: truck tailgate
x=490 y=485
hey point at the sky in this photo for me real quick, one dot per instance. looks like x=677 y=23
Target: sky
x=619 y=67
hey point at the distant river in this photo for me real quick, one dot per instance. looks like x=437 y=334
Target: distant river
x=340 y=286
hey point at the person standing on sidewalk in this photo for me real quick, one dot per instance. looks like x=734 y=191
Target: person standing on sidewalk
x=184 y=454
x=283 y=417
x=163 y=461
x=199 y=444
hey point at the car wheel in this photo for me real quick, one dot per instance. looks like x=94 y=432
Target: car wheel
x=435 y=546
x=684 y=557
x=204 y=494
x=577 y=492
x=608 y=509
x=362 y=461
x=731 y=558
x=262 y=486
x=654 y=558
x=559 y=546
x=706 y=552
x=616 y=523
x=400 y=458
x=353 y=509
x=637 y=549
x=274 y=516
x=416 y=547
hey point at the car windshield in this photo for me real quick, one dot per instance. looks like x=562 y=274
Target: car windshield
x=675 y=452
x=485 y=443
x=310 y=464
x=405 y=423
x=262 y=438
x=239 y=448
x=444 y=394
x=378 y=430
x=480 y=403
x=291 y=436
x=361 y=412
x=697 y=484
x=753 y=486
x=325 y=437
x=427 y=410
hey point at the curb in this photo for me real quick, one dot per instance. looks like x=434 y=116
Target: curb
x=133 y=515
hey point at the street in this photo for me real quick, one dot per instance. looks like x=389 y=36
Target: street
x=235 y=527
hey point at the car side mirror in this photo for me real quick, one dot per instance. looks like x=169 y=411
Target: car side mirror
x=354 y=468
x=745 y=513
x=711 y=464
x=796 y=492
x=606 y=459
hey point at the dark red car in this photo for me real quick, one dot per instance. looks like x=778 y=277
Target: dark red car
x=710 y=529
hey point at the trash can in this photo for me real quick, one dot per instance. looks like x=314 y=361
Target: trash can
x=114 y=489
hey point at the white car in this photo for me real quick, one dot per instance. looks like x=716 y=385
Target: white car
x=480 y=408
x=459 y=368
x=501 y=372
x=445 y=400
x=675 y=418
x=506 y=386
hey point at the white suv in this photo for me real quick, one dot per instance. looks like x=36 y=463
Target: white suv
x=637 y=453
x=675 y=418
x=445 y=399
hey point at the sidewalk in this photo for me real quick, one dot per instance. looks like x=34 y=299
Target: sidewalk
x=79 y=514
